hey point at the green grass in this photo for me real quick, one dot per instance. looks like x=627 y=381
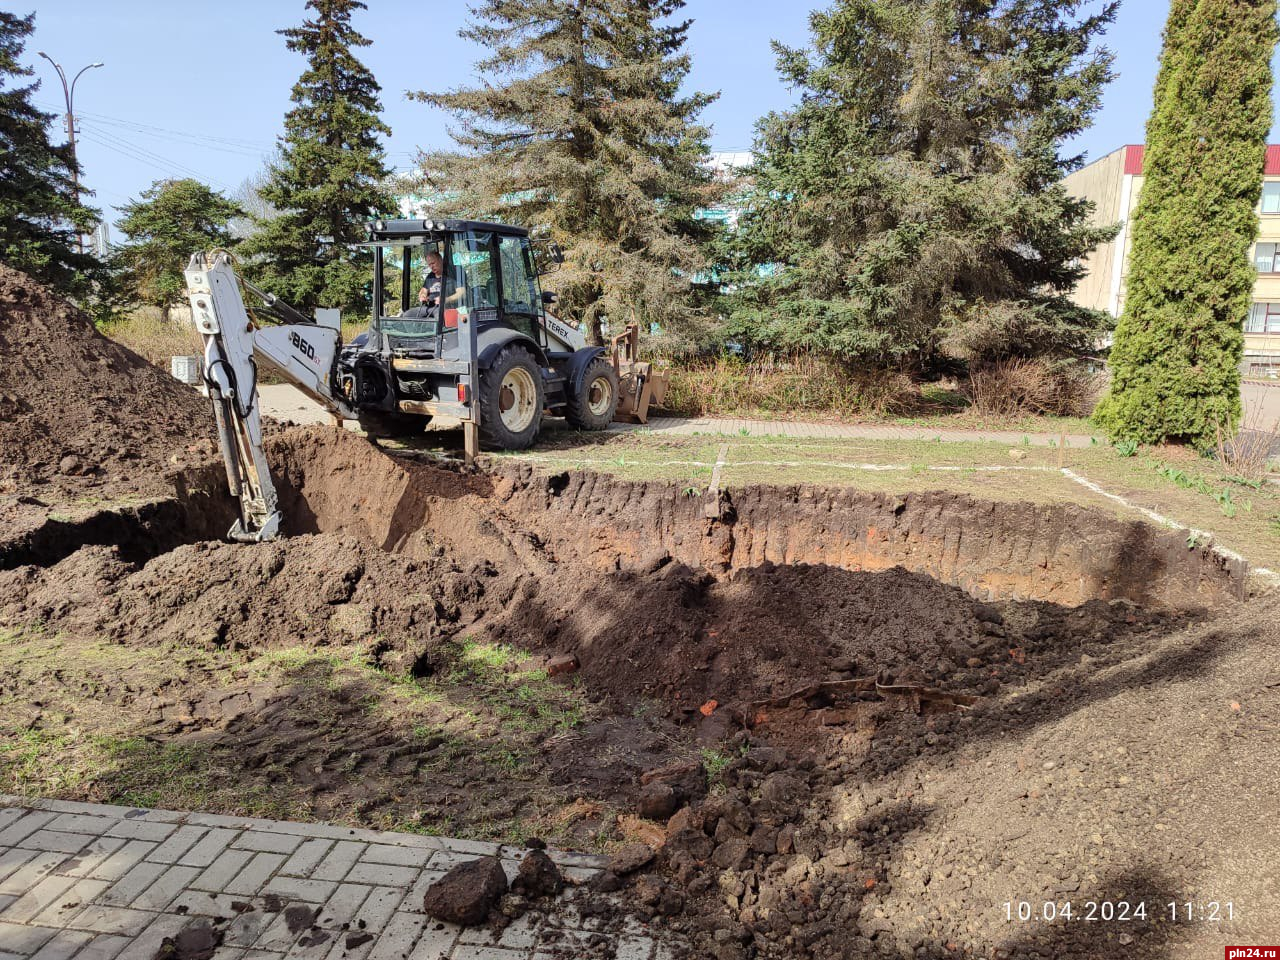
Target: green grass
x=482 y=717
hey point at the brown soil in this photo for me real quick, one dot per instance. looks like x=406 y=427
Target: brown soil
x=84 y=422
x=878 y=720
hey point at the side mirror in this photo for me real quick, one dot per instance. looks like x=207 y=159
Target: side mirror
x=555 y=252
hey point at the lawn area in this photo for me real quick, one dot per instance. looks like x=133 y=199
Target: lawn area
x=259 y=732
x=1242 y=515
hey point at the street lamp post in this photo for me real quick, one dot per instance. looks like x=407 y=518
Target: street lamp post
x=69 y=95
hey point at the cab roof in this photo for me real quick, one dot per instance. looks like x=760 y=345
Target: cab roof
x=391 y=229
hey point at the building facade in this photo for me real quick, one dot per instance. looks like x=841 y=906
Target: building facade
x=1113 y=183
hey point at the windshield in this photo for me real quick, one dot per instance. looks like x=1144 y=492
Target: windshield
x=410 y=290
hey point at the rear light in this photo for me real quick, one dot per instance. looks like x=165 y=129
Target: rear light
x=451 y=319
x=464 y=393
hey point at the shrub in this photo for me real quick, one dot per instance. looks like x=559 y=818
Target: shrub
x=786 y=385
x=146 y=333
x=1007 y=388
x=1246 y=453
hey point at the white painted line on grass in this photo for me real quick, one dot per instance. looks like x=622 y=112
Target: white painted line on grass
x=1162 y=520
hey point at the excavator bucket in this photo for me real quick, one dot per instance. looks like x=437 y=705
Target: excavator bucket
x=640 y=384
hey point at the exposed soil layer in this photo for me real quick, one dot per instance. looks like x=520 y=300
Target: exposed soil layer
x=855 y=725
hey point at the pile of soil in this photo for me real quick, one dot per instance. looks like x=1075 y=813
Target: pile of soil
x=307 y=590
x=1117 y=782
x=685 y=638
x=79 y=409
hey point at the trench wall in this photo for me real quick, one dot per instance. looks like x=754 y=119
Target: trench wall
x=1063 y=553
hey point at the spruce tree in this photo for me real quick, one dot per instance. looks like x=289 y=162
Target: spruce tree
x=580 y=129
x=911 y=204
x=1179 y=343
x=40 y=218
x=169 y=222
x=327 y=182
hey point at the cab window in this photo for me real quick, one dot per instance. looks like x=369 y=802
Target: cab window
x=519 y=283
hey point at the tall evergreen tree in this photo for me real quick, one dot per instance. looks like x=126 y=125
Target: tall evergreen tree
x=40 y=218
x=328 y=179
x=169 y=222
x=1179 y=343
x=581 y=129
x=912 y=202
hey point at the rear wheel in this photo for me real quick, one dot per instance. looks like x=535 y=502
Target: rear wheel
x=511 y=400
x=593 y=405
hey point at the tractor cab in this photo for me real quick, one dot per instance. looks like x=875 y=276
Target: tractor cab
x=459 y=329
x=429 y=274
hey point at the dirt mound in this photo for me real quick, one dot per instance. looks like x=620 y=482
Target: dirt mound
x=314 y=590
x=684 y=638
x=1103 y=790
x=76 y=404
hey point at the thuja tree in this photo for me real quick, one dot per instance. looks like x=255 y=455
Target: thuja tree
x=1179 y=343
x=327 y=182
x=912 y=202
x=581 y=129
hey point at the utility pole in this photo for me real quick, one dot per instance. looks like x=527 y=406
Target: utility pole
x=69 y=95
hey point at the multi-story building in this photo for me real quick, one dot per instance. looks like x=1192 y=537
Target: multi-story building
x=1113 y=183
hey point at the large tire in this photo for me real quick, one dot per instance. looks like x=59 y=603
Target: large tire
x=383 y=425
x=511 y=400
x=593 y=404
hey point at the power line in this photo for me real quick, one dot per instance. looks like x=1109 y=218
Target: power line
x=163 y=164
x=168 y=132
x=120 y=143
x=235 y=151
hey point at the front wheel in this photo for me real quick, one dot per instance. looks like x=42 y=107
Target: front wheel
x=511 y=400
x=593 y=404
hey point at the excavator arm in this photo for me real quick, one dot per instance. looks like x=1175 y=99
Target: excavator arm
x=304 y=352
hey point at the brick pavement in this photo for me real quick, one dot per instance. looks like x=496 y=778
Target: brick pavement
x=92 y=882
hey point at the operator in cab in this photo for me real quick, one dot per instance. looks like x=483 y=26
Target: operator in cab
x=429 y=295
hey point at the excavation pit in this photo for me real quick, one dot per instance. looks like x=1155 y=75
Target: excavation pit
x=804 y=677
x=855 y=725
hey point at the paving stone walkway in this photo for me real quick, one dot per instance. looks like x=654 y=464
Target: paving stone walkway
x=83 y=881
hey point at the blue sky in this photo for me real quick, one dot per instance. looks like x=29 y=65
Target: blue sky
x=200 y=89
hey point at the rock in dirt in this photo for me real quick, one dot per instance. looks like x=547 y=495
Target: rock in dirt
x=658 y=801
x=657 y=897
x=566 y=663
x=467 y=893
x=538 y=876
x=629 y=858
x=71 y=465
x=197 y=942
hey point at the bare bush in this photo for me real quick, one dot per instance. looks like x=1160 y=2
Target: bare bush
x=148 y=334
x=1248 y=451
x=785 y=385
x=1017 y=386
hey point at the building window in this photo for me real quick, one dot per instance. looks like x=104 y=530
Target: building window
x=1263 y=318
x=1271 y=196
x=1265 y=259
